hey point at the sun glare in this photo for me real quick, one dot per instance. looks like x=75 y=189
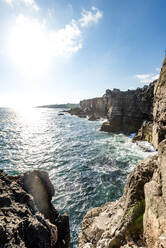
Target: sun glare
x=28 y=46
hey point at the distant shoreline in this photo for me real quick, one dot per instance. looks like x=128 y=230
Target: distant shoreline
x=67 y=105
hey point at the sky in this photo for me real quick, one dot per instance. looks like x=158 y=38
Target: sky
x=60 y=51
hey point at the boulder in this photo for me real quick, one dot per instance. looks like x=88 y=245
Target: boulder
x=27 y=216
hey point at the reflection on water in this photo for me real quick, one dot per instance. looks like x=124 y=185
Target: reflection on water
x=87 y=167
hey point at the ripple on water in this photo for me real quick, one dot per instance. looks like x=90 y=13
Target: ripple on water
x=86 y=166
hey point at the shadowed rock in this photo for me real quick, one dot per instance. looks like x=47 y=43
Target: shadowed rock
x=124 y=110
x=27 y=217
x=37 y=184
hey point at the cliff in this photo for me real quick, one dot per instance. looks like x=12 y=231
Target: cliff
x=138 y=218
x=127 y=110
x=27 y=217
x=124 y=110
x=95 y=108
x=159 y=113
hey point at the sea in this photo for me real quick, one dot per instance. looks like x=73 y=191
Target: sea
x=86 y=166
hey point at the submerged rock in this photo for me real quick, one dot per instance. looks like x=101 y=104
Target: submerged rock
x=77 y=111
x=106 y=127
x=30 y=220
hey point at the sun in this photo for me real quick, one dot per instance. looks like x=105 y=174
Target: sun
x=28 y=46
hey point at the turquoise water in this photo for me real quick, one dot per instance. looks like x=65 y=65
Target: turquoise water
x=86 y=166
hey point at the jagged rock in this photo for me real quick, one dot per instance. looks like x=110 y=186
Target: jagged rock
x=21 y=223
x=95 y=107
x=145 y=132
x=120 y=223
x=159 y=110
x=77 y=111
x=105 y=127
x=125 y=110
x=155 y=211
x=92 y=117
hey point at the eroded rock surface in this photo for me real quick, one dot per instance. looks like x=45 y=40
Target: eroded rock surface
x=159 y=110
x=127 y=110
x=145 y=132
x=24 y=220
x=120 y=223
x=124 y=110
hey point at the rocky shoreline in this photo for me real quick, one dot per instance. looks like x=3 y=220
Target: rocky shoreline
x=138 y=218
x=125 y=111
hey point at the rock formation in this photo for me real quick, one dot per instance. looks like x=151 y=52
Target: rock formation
x=145 y=132
x=138 y=218
x=124 y=110
x=159 y=113
x=30 y=220
x=95 y=108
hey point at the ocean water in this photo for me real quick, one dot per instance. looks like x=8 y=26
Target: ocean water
x=87 y=167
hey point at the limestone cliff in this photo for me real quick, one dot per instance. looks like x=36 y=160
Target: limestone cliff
x=138 y=218
x=159 y=113
x=127 y=110
x=124 y=110
x=95 y=107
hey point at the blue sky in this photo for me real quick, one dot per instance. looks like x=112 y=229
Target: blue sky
x=59 y=51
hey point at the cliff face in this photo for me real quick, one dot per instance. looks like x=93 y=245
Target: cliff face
x=95 y=107
x=125 y=110
x=27 y=217
x=159 y=113
x=138 y=218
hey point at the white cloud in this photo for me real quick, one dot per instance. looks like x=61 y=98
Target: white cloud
x=32 y=44
x=89 y=17
x=147 y=78
x=66 y=41
x=63 y=42
x=28 y=3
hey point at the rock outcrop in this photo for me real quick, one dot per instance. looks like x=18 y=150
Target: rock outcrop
x=159 y=113
x=27 y=217
x=138 y=218
x=120 y=223
x=124 y=110
x=95 y=108
x=127 y=110
x=145 y=132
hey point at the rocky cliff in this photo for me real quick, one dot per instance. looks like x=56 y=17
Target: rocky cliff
x=125 y=110
x=138 y=218
x=27 y=217
x=96 y=107
x=159 y=113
